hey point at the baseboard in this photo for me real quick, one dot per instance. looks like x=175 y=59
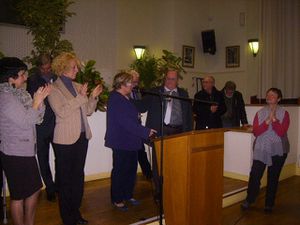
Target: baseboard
x=97 y=176
x=228 y=201
x=236 y=176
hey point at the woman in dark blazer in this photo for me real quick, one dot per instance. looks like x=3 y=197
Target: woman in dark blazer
x=124 y=135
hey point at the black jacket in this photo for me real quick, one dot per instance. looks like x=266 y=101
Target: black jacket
x=204 y=117
x=33 y=83
x=238 y=109
x=152 y=105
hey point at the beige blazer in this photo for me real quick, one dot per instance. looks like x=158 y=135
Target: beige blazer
x=67 y=111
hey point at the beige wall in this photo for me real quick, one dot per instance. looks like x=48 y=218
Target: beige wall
x=106 y=31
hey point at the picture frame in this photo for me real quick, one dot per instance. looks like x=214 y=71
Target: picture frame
x=188 y=56
x=232 y=56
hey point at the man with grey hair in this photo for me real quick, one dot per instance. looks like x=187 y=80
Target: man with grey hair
x=208 y=115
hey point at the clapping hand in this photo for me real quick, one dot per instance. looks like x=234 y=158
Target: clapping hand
x=97 y=91
x=83 y=90
x=40 y=95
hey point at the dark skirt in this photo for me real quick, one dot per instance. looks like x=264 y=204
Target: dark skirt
x=22 y=175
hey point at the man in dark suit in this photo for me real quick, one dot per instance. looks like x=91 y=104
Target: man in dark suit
x=41 y=77
x=177 y=113
x=209 y=115
x=142 y=155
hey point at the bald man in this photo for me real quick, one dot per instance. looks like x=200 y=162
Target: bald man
x=209 y=115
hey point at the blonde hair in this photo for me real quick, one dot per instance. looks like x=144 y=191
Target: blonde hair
x=121 y=79
x=61 y=63
x=134 y=73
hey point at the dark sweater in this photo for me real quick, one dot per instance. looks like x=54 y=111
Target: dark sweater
x=124 y=131
x=205 y=119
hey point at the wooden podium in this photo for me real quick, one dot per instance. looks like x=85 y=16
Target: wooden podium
x=193 y=177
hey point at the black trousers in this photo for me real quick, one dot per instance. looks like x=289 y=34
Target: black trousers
x=144 y=163
x=70 y=178
x=256 y=174
x=44 y=139
x=123 y=175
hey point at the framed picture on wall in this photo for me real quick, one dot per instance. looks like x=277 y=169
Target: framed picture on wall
x=188 y=56
x=233 y=56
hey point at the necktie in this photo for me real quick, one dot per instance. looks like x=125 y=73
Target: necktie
x=168 y=110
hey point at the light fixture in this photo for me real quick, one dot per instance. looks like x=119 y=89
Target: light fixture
x=254 y=46
x=139 y=51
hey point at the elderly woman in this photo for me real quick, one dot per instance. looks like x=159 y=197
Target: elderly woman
x=19 y=114
x=124 y=135
x=71 y=105
x=271 y=147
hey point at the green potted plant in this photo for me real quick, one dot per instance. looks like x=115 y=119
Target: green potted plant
x=153 y=70
x=45 y=21
x=88 y=74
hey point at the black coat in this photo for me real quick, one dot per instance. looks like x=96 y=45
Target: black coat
x=33 y=83
x=205 y=119
x=238 y=109
x=152 y=105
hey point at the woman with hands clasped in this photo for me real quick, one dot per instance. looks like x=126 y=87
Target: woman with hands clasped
x=271 y=147
x=71 y=105
x=19 y=114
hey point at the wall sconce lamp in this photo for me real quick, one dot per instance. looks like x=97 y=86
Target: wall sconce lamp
x=139 y=51
x=254 y=46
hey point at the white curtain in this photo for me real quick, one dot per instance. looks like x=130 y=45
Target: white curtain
x=280 y=48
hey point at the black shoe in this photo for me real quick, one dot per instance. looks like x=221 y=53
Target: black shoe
x=51 y=197
x=268 y=209
x=82 y=221
x=245 y=205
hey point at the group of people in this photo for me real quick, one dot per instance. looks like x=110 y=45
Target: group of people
x=56 y=113
x=54 y=109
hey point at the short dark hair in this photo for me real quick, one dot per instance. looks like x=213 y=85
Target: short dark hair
x=230 y=85
x=43 y=59
x=10 y=67
x=275 y=90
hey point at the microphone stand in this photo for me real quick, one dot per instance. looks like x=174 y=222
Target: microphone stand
x=162 y=97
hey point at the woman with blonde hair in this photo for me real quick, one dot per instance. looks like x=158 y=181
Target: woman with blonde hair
x=124 y=135
x=71 y=105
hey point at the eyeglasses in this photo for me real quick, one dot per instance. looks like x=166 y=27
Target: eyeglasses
x=171 y=79
x=128 y=84
x=25 y=73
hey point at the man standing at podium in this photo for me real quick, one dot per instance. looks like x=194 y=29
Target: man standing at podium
x=177 y=113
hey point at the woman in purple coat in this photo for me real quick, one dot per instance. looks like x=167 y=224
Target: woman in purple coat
x=124 y=135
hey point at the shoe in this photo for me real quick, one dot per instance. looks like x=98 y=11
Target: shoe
x=133 y=201
x=120 y=206
x=82 y=221
x=245 y=205
x=51 y=197
x=268 y=209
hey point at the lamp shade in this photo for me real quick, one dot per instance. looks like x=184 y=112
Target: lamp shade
x=139 y=51
x=254 y=46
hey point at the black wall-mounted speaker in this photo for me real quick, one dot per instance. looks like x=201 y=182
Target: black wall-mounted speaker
x=209 y=41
